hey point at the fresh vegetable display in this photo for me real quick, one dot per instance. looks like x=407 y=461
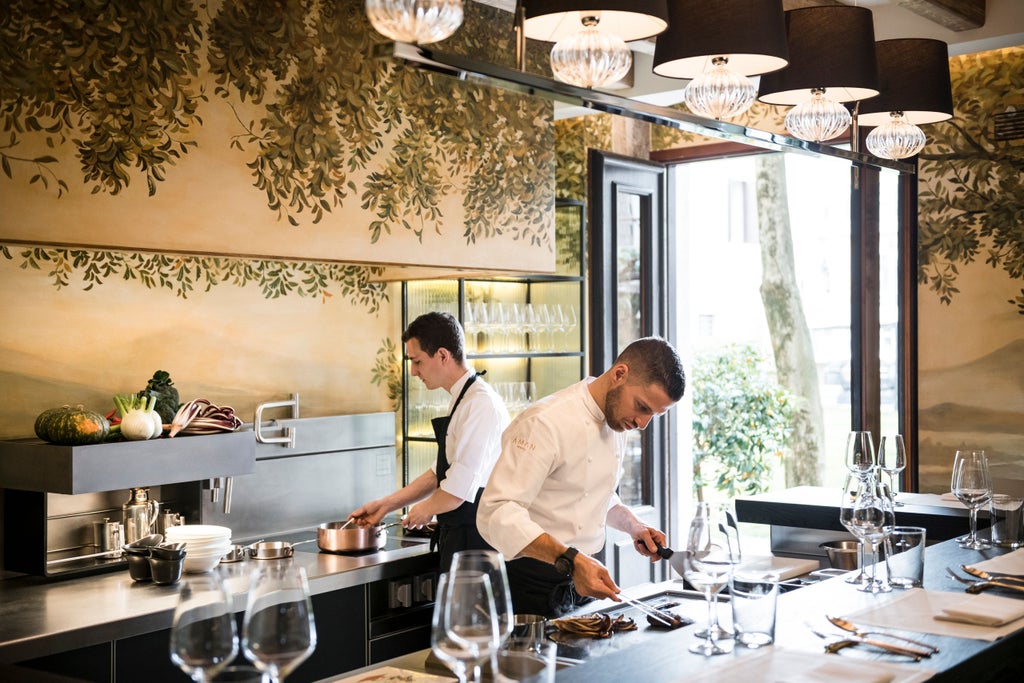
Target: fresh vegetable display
x=162 y=387
x=138 y=419
x=67 y=426
x=200 y=416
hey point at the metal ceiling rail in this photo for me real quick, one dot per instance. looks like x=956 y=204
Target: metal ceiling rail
x=514 y=80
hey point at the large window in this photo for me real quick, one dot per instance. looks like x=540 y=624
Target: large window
x=764 y=265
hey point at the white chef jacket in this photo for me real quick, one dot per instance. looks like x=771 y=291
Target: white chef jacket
x=559 y=468
x=474 y=437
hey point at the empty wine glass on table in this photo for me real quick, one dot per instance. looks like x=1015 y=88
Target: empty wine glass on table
x=492 y=564
x=712 y=550
x=465 y=629
x=892 y=459
x=860 y=462
x=203 y=635
x=278 y=632
x=866 y=511
x=972 y=486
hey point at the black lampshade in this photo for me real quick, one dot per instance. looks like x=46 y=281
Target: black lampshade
x=751 y=33
x=913 y=77
x=552 y=20
x=830 y=47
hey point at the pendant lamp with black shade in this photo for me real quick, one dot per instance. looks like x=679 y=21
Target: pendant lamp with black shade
x=718 y=44
x=590 y=35
x=831 y=60
x=915 y=89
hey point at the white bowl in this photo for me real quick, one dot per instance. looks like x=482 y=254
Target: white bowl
x=192 y=546
x=215 y=552
x=197 y=532
x=200 y=565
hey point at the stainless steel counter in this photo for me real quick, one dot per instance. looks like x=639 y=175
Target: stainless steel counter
x=39 y=617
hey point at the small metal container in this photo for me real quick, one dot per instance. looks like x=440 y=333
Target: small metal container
x=842 y=554
x=236 y=553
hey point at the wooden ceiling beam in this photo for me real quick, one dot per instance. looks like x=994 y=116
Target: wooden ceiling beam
x=956 y=15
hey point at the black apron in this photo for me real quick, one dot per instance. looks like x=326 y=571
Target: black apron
x=456 y=529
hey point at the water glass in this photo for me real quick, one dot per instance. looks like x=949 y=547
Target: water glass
x=1007 y=529
x=905 y=556
x=754 y=596
x=527 y=661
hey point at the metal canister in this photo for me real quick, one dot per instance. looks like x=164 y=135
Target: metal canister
x=107 y=535
x=168 y=519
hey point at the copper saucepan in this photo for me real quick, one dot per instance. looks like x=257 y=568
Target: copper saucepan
x=340 y=537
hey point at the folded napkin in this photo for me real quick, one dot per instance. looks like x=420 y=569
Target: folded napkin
x=780 y=665
x=1010 y=563
x=986 y=610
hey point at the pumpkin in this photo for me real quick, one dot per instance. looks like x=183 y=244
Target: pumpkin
x=67 y=426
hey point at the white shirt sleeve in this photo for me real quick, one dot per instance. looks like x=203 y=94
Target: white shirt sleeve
x=473 y=442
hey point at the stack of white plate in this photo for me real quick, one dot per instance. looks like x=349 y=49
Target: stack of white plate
x=205 y=544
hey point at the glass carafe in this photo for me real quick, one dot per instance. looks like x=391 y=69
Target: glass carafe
x=139 y=514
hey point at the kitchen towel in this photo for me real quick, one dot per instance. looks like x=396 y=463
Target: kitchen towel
x=987 y=610
x=919 y=609
x=778 y=665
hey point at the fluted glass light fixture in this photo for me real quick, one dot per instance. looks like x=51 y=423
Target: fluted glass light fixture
x=831 y=61
x=915 y=89
x=718 y=44
x=415 y=21
x=590 y=35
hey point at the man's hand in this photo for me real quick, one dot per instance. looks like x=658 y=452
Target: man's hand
x=369 y=514
x=646 y=541
x=419 y=516
x=592 y=579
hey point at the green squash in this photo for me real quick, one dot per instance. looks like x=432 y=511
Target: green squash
x=67 y=426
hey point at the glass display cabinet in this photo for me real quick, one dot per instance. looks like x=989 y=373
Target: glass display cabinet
x=528 y=332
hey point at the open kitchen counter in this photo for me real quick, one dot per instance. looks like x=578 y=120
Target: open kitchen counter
x=40 y=617
x=660 y=656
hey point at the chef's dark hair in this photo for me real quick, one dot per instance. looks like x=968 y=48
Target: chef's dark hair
x=435 y=331
x=652 y=360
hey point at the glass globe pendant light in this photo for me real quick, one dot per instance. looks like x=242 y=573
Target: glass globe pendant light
x=415 y=21
x=896 y=139
x=818 y=119
x=719 y=93
x=591 y=58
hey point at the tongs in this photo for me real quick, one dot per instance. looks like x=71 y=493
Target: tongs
x=664 y=618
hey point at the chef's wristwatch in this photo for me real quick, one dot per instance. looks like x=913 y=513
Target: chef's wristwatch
x=566 y=561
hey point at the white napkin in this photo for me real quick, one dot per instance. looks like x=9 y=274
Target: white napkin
x=917 y=610
x=987 y=610
x=779 y=665
x=1010 y=563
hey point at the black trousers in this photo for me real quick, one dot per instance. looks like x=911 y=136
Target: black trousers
x=450 y=539
x=538 y=588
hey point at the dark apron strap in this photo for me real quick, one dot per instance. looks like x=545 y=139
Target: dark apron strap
x=465 y=514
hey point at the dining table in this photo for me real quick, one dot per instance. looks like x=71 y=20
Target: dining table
x=965 y=652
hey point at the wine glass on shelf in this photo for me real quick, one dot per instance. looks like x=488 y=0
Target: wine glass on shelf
x=972 y=486
x=464 y=630
x=712 y=550
x=278 y=631
x=203 y=635
x=892 y=459
x=866 y=511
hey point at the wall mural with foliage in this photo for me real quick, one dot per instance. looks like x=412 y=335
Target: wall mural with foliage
x=971 y=267
x=373 y=161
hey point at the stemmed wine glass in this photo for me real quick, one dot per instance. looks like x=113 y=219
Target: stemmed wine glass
x=465 y=630
x=972 y=486
x=492 y=564
x=711 y=553
x=203 y=635
x=866 y=511
x=860 y=462
x=278 y=632
x=892 y=459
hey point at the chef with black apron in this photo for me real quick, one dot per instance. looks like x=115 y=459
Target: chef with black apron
x=468 y=441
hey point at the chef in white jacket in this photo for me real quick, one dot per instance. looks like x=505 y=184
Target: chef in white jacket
x=552 y=491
